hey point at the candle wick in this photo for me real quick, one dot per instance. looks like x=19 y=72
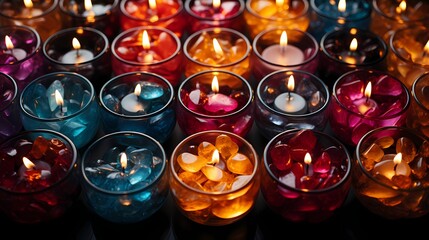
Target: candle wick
x=289 y=96
x=77 y=53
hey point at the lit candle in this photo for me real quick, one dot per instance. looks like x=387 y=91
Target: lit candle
x=32 y=171
x=218 y=102
x=17 y=53
x=60 y=102
x=365 y=105
x=217 y=10
x=77 y=55
x=290 y=102
x=392 y=165
x=132 y=103
x=283 y=53
x=29 y=11
x=352 y=56
x=95 y=10
x=308 y=170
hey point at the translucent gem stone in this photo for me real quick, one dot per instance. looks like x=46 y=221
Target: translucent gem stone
x=151 y=91
x=240 y=164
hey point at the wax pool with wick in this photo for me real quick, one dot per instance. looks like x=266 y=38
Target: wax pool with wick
x=290 y=102
x=364 y=100
x=38 y=179
x=77 y=55
x=124 y=177
x=212 y=100
x=301 y=167
x=390 y=177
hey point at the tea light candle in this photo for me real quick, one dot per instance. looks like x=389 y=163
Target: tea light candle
x=33 y=171
x=96 y=9
x=283 y=54
x=30 y=11
x=77 y=55
x=218 y=102
x=365 y=105
x=290 y=102
x=131 y=103
x=16 y=53
x=352 y=56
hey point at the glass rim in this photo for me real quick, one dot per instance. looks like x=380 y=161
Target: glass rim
x=310 y=114
x=238 y=111
x=140 y=73
x=245 y=56
x=71 y=146
x=176 y=152
x=332 y=139
x=37 y=46
x=395 y=51
x=306 y=34
x=56 y=119
x=345 y=19
x=366 y=32
x=72 y=14
x=46 y=12
x=305 y=11
x=124 y=12
x=369 y=134
x=383 y=14
x=230 y=18
x=15 y=90
x=60 y=33
x=414 y=90
x=124 y=134
x=374 y=118
x=141 y=28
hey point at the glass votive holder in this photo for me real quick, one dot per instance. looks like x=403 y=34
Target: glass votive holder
x=215 y=100
x=217 y=49
x=214 y=177
x=418 y=115
x=21 y=54
x=82 y=50
x=63 y=102
x=39 y=180
x=349 y=49
x=10 y=121
x=306 y=175
x=327 y=16
x=261 y=15
x=169 y=14
x=124 y=177
x=101 y=15
x=366 y=99
x=283 y=49
x=390 y=177
x=408 y=57
x=43 y=16
x=151 y=49
x=389 y=16
x=291 y=99
x=138 y=101
x=203 y=14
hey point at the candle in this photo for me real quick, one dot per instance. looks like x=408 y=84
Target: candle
x=218 y=102
x=207 y=165
x=284 y=53
x=77 y=55
x=290 y=102
x=392 y=165
x=217 y=10
x=17 y=53
x=352 y=56
x=38 y=176
x=126 y=171
x=300 y=168
x=30 y=11
x=131 y=103
x=95 y=10
x=365 y=105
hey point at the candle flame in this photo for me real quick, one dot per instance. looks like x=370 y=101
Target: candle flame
x=307 y=159
x=215 y=85
x=397 y=159
x=368 y=89
x=426 y=48
x=145 y=41
x=217 y=48
x=216 y=4
x=8 y=42
x=28 y=3
x=215 y=157
x=124 y=159
x=279 y=3
x=353 y=45
x=27 y=163
x=58 y=98
x=76 y=44
x=402 y=7
x=152 y=4
x=138 y=90
x=342 y=6
x=88 y=5
x=291 y=83
x=283 y=39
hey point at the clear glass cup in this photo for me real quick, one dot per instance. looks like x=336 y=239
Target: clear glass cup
x=390 y=177
x=40 y=183
x=202 y=105
x=91 y=59
x=275 y=112
x=418 y=115
x=22 y=57
x=43 y=16
x=302 y=189
x=355 y=110
x=63 y=102
x=214 y=177
x=10 y=121
x=152 y=111
x=124 y=177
